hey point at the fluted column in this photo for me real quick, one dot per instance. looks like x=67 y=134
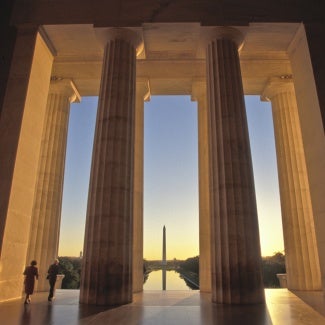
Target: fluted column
x=199 y=94
x=107 y=261
x=235 y=251
x=46 y=215
x=21 y=126
x=142 y=95
x=302 y=262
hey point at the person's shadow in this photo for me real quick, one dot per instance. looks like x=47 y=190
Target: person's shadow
x=38 y=315
x=26 y=315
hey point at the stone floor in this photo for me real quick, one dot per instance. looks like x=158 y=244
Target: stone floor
x=166 y=307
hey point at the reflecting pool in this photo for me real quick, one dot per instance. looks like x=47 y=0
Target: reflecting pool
x=173 y=281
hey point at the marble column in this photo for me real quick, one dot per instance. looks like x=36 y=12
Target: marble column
x=235 y=249
x=302 y=263
x=199 y=94
x=142 y=95
x=21 y=126
x=304 y=54
x=107 y=261
x=46 y=214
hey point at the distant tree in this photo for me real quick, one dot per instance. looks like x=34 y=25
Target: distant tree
x=71 y=268
x=271 y=266
x=191 y=264
x=189 y=271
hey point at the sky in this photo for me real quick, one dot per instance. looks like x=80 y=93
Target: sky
x=170 y=176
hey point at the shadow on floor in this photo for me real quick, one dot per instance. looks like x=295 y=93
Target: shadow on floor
x=315 y=299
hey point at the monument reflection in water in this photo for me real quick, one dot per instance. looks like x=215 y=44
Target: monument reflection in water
x=173 y=281
x=161 y=279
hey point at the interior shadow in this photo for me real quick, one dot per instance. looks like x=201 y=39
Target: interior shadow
x=314 y=299
x=235 y=314
x=91 y=310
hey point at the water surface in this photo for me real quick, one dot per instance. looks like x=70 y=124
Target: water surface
x=173 y=281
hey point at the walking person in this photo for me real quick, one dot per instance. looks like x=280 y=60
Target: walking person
x=31 y=273
x=52 y=273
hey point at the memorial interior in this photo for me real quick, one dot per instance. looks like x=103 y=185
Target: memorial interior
x=61 y=51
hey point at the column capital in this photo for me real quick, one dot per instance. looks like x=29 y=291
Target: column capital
x=209 y=34
x=65 y=87
x=143 y=89
x=107 y=34
x=199 y=89
x=277 y=85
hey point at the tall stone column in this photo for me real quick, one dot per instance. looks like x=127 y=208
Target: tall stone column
x=142 y=95
x=46 y=215
x=107 y=261
x=235 y=252
x=199 y=94
x=21 y=126
x=306 y=56
x=302 y=263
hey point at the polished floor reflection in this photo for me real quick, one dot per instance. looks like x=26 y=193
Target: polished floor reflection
x=164 y=307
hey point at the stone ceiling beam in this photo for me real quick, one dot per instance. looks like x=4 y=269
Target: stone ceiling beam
x=134 y=13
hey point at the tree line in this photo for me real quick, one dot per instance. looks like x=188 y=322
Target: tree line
x=271 y=266
x=188 y=269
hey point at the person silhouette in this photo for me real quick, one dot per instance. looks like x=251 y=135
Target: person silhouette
x=52 y=273
x=31 y=273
